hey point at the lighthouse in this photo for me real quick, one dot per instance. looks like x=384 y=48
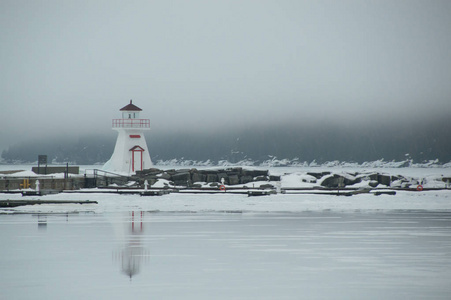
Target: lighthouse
x=130 y=153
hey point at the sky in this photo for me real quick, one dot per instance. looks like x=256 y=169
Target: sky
x=67 y=67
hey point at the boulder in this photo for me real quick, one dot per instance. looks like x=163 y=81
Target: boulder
x=234 y=179
x=182 y=178
x=212 y=177
x=373 y=176
x=405 y=184
x=171 y=171
x=165 y=175
x=331 y=181
x=274 y=178
x=255 y=173
x=206 y=172
x=198 y=177
x=318 y=175
x=384 y=179
x=373 y=183
x=394 y=178
x=397 y=183
x=245 y=179
x=261 y=178
x=147 y=172
x=235 y=171
x=352 y=180
x=150 y=179
x=381 y=179
x=336 y=181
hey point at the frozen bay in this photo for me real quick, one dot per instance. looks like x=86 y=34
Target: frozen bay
x=369 y=254
x=229 y=246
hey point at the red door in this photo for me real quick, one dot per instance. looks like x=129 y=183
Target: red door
x=137 y=158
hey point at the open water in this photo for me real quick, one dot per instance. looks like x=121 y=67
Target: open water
x=400 y=254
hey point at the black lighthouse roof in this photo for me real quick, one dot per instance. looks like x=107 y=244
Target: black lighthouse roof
x=131 y=107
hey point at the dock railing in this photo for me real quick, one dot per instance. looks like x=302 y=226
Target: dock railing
x=101 y=178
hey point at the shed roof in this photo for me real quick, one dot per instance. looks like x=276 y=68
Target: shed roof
x=131 y=107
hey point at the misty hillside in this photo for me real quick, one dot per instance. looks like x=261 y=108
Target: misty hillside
x=327 y=143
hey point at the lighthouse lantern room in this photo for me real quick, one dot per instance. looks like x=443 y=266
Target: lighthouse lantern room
x=130 y=153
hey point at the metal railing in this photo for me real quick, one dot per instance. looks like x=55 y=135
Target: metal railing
x=131 y=123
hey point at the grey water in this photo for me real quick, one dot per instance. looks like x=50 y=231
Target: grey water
x=308 y=255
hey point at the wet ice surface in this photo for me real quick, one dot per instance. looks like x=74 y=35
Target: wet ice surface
x=397 y=254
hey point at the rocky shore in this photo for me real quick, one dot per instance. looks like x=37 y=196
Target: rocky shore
x=231 y=177
x=212 y=177
x=238 y=176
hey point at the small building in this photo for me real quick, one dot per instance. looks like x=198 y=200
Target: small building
x=130 y=153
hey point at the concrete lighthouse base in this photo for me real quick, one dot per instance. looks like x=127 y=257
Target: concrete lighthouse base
x=130 y=153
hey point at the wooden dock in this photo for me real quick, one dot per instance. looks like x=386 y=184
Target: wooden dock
x=15 y=203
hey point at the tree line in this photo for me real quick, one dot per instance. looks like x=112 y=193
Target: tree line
x=258 y=143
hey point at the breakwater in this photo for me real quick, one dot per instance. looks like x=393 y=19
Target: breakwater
x=213 y=177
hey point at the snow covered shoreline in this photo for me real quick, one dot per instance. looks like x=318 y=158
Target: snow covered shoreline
x=291 y=177
x=234 y=203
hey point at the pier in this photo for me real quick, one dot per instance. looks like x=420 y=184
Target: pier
x=16 y=203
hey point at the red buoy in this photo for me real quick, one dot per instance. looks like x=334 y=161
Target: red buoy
x=419 y=188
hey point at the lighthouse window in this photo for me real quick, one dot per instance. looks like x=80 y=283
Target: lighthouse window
x=129 y=116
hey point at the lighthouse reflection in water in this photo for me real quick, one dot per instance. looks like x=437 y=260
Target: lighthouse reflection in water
x=132 y=254
x=184 y=255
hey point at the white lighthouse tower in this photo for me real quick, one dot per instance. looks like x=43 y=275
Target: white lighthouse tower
x=130 y=153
